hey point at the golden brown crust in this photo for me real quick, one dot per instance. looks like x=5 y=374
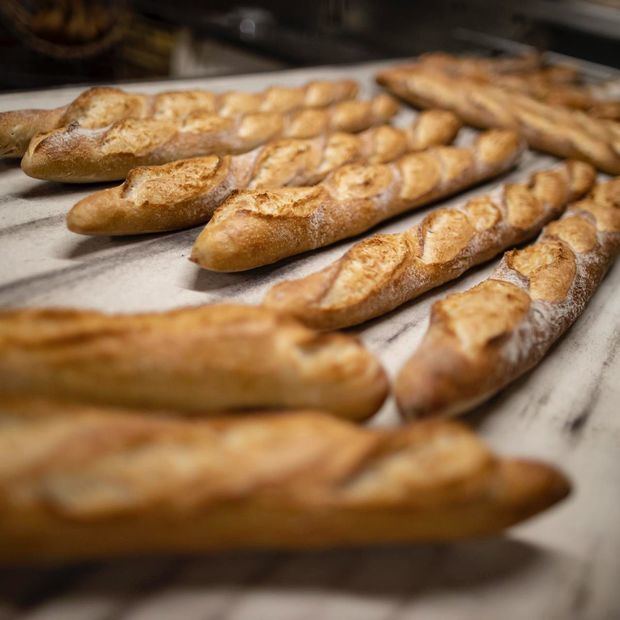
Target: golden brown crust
x=559 y=131
x=210 y=358
x=75 y=154
x=481 y=340
x=549 y=267
x=478 y=320
x=101 y=106
x=185 y=193
x=78 y=481
x=254 y=228
x=578 y=233
x=384 y=271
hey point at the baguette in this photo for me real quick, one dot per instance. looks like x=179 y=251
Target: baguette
x=101 y=106
x=185 y=193
x=559 y=131
x=75 y=154
x=385 y=271
x=257 y=227
x=556 y=84
x=210 y=358
x=481 y=340
x=482 y=67
x=81 y=482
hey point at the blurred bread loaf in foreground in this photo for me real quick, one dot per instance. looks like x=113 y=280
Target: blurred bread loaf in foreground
x=84 y=482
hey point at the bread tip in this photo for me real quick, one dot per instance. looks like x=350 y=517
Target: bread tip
x=194 y=256
x=95 y=215
x=202 y=256
x=78 y=219
x=35 y=160
x=215 y=251
x=532 y=487
x=417 y=394
x=30 y=165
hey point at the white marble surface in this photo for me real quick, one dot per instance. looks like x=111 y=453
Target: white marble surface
x=565 y=564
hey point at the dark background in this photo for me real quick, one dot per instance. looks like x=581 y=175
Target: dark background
x=53 y=42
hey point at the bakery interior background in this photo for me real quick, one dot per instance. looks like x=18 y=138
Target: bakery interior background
x=54 y=42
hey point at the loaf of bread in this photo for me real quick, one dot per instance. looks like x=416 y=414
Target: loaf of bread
x=75 y=154
x=553 y=129
x=185 y=193
x=101 y=106
x=202 y=359
x=481 y=67
x=82 y=482
x=258 y=227
x=555 y=84
x=481 y=340
x=383 y=272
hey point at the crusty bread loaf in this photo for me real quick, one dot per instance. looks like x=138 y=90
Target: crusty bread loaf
x=553 y=129
x=256 y=227
x=481 y=67
x=185 y=193
x=589 y=98
x=486 y=69
x=75 y=154
x=383 y=272
x=555 y=84
x=481 y=340
x=101 y=106
x=82 y=482
x=209 y=358
x=592 y=99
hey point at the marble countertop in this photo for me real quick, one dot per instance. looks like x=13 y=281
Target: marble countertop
x=564 y=564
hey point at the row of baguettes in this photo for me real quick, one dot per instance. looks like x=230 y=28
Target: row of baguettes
x=445 y=244
x=185 y=193
x=258 y=227
x=302 y=479
x=113 y=131
x=516 y=208
x=554 y=129
x=79 y=481
x=79 y=154
x=102 y=106
x=293 y=481
x=481 y=340
x=224 y=357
